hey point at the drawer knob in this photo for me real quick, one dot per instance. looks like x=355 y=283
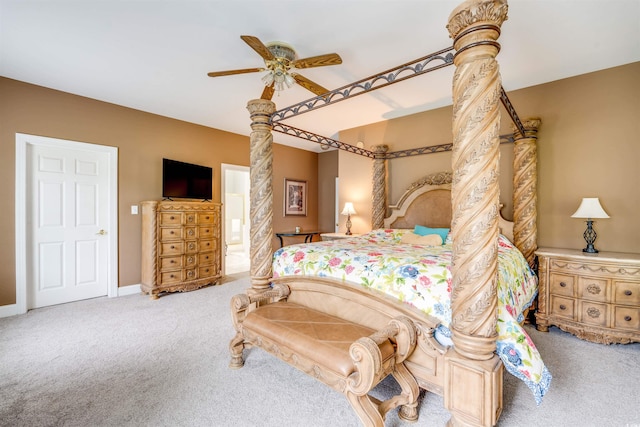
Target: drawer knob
x=563 y=307
x=172 y=261
x=173 y=247
x=172 y=217
x=628 y=293
x=593 y=312
x=562 y=284
x=627 y=318
x=171 y=232
x=593 y=289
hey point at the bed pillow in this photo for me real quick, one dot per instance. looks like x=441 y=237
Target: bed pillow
x=416 y=239
x=423 y=231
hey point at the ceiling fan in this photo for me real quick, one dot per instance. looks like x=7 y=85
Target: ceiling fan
x=281 y=61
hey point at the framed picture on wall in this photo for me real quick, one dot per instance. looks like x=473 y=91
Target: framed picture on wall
x=295 y=197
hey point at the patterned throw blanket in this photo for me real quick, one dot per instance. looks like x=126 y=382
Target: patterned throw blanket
x=421 y=276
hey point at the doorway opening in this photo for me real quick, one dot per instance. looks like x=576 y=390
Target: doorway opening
x=235 y=200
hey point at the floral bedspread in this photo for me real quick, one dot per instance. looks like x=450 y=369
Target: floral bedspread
x=420 y=275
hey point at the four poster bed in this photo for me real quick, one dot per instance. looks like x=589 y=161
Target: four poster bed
x=458 y=345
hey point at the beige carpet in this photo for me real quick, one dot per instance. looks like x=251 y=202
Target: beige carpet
x=132 y=361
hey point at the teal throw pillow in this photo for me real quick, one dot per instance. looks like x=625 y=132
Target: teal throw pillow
x=421 y=230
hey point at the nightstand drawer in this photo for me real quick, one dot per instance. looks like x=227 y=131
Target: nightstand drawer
x=561 y=284
x=593 y=313
x=592 y=289
x=627 y=293
x=561 y=306
x=627 y=318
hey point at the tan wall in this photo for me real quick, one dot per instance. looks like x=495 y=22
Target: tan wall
x=327 y=174
x=588 y=147
x=142 y=140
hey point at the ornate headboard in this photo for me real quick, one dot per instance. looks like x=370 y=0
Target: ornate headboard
x=428 y=202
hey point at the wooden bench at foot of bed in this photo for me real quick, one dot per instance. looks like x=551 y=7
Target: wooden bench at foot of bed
x=347 y=356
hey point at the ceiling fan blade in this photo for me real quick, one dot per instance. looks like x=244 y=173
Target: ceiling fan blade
x=318 y=61
x=258 y=46
x=309 y=85
x=232 y=72
x=267 y=93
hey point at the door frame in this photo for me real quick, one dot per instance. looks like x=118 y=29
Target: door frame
x=22 y=143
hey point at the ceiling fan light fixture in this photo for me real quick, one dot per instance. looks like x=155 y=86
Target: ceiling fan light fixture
x=288 y=80
x=267 y=79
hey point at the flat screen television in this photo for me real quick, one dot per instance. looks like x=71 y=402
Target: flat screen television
x=186 y=181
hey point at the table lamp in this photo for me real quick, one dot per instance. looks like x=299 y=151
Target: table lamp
x=590 y=208
x=348 y=211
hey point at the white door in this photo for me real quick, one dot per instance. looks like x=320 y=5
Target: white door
x=67 y=224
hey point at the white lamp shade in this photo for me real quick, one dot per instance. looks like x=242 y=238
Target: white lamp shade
x=590 y=208
x=348 y=209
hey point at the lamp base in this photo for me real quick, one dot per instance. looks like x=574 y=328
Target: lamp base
x=590 y=237
x=348 y=224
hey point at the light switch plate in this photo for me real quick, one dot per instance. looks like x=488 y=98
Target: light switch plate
x=134 y=209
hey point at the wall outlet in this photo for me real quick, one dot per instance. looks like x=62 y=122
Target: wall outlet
x=134 y=209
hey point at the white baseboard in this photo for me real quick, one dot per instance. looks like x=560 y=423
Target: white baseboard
x=8 y=310
x=129 y=290
x=12 y=309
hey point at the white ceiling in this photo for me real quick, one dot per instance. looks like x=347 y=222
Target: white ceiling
x=154 y=55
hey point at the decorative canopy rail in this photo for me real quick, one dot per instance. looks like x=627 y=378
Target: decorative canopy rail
x=386 y=78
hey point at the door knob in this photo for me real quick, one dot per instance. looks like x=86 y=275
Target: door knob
x=101 y=232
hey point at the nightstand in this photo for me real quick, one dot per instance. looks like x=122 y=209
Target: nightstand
x=336 y=236
x=596 y=297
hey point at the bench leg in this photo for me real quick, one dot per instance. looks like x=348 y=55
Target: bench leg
x=235 y=348
x=367 y=411
x=410 y=391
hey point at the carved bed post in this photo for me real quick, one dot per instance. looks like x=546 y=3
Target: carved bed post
x=473 y=372
x=261 y=192
x=525 y=189
x=379 y=210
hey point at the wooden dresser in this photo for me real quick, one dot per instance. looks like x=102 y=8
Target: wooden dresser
x=593 y=296
x=181 y=248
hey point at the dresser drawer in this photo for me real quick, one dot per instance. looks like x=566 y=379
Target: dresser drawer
x=561 y=306
x=627 y=293
x=627 y=318
x=592 y=313
x=170 y=277
x=172 y=248
x=205 y=218
x=171 y=218
x=206 y=232
x=170 y=233
x=191 y=274
x=190 y=261
x=592 y=289
x=191 y=247
x=207 y=271
x=190 y=232
x=190 y=218
x=561 y=284
x=207 y=245
x=205 y=259
x=170 y=263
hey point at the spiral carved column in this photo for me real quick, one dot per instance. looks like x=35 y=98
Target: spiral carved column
x=261 y=191
x=525 y=190
x=379 y=209
x=475 y=27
